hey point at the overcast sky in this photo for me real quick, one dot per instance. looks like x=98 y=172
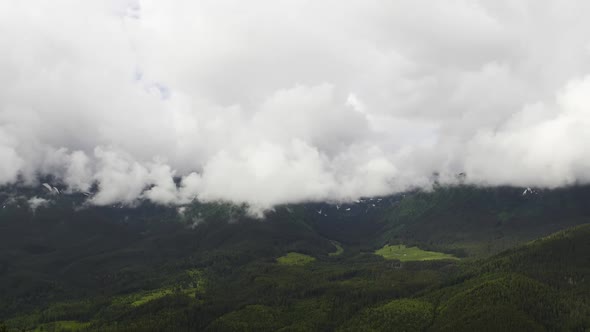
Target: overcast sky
x=275 y=101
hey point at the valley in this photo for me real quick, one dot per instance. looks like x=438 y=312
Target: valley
x=453 y=259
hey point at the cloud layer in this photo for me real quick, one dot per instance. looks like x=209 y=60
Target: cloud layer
x=268 y=102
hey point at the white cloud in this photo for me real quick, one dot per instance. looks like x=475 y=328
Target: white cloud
x=268 y=102
x=37 y=202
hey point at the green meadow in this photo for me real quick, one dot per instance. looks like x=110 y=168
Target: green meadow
x=295 y=258
x=339 y=249
x=405 y=254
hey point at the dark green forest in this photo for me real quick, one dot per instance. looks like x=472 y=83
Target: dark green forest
x=457 y=258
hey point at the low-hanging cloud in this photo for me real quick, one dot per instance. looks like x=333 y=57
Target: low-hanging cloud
x=269 y=102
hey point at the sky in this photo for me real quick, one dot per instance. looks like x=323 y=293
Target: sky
x=280 y=101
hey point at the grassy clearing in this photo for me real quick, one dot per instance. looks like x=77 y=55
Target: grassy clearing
x=160 y=293
x=404 y=254
x=151 y=296
x=295 y=258
x=196 y=284
x=339 y=249
x=64 y=325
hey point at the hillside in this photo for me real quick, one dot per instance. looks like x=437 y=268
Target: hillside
x=453 y=259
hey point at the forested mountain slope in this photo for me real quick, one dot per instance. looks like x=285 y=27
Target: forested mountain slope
x=479 y=259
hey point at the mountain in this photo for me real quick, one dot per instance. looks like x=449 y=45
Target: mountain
x=452 y=259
